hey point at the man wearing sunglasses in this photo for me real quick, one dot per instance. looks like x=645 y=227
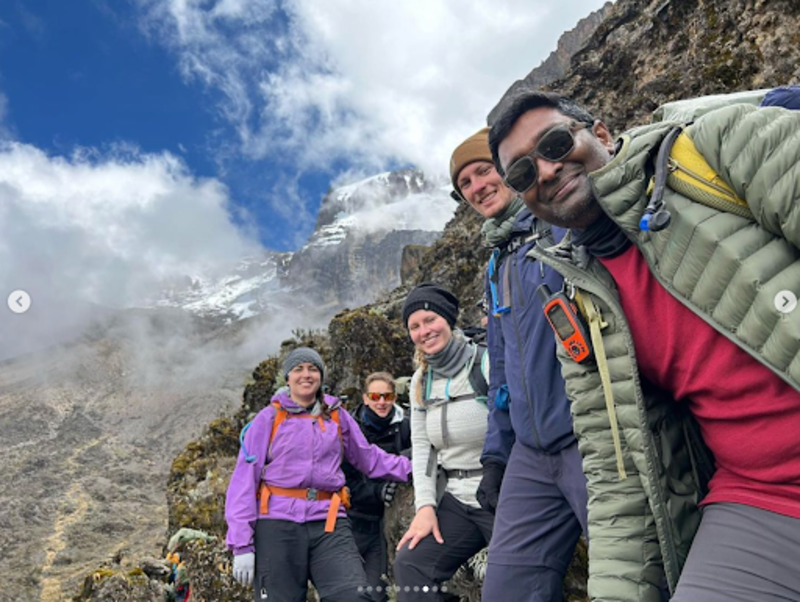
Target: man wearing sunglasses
x=692 y=321
x=530 y=448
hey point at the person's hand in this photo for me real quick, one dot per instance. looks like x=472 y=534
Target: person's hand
x=388 y=491
x=489 y=489
x=244 y=568
x=424 y=523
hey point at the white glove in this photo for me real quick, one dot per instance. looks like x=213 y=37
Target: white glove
x=244 y=568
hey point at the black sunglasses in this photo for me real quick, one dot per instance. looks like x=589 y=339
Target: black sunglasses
x=554 y=145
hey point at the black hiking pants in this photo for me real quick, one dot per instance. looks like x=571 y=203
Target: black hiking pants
x=420 y=572
x=289 y=554
x=372 y=547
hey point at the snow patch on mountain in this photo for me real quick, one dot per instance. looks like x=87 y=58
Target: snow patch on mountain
x=238 y=295
x=371 y=208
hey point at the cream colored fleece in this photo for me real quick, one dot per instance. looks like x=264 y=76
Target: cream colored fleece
x=466 y=429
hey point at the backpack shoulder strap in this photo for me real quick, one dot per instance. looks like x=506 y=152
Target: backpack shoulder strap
x=544 y=232
x=280 y=416
x=476 y=379
x=689 y=173
x=427 y=378
x=338 y=420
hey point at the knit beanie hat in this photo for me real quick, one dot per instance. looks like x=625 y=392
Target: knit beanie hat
x=474 y=148
x=302 y=355
x=433 y=298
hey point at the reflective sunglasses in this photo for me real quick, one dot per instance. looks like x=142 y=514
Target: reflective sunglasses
x=386 y=396
x=554 y=145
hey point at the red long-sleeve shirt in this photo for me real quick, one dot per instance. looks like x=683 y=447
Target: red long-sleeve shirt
x=749 y=417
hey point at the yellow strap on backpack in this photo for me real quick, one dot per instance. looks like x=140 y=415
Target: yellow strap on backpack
x=596 y=324
x=692 y=176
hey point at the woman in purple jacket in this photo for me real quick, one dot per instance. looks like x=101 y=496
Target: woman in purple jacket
x=285 y=506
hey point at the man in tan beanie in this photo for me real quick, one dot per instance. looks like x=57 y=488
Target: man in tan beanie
x=475 y=180
x=530 y=448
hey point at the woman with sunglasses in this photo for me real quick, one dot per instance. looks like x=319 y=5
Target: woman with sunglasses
x=448 y=428
x=384 y=424
x=285 y=505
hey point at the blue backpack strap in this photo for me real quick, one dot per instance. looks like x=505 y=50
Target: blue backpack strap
x=247 y=458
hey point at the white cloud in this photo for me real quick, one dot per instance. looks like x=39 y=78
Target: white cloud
x=419 y=211
x=367 y=208
x=104 y=228
x=376 y=83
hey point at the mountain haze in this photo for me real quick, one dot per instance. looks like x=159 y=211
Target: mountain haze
x=90 y=423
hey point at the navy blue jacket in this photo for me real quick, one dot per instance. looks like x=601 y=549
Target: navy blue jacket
x=522 y=355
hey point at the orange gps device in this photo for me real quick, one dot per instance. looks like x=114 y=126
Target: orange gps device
x=566 y=323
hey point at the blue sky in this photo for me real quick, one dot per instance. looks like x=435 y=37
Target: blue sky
x=84 y=74
x=80 y=76
x=143 y=140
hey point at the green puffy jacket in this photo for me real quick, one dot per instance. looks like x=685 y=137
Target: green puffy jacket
x=725 y=268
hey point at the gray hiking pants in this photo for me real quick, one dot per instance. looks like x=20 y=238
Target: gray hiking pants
x=742 y=554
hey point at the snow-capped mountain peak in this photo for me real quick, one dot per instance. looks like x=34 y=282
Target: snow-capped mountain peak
x=354 y=251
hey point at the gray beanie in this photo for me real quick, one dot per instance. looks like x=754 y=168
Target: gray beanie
x=302 y=355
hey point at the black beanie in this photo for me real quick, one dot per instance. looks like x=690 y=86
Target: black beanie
x=433 y=298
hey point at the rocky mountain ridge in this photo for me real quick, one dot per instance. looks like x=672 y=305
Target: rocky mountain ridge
x=353 y=254
x=557 y=64
x=648 y=52
x=88 y=431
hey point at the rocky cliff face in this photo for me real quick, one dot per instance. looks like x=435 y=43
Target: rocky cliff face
x=354 y=271
x=557 y=64
x=646 y=53
x=355 y=252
